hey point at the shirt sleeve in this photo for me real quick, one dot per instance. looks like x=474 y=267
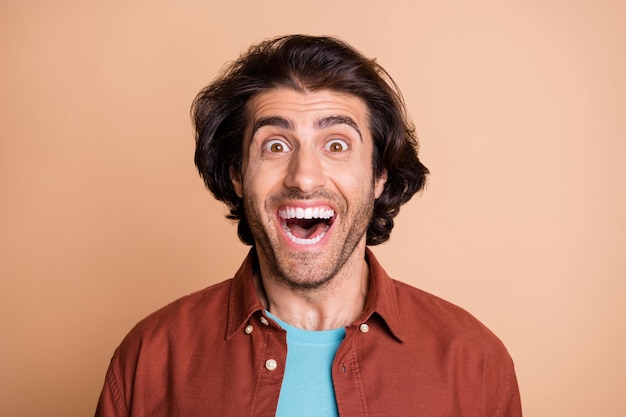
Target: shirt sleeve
x=111 y=403
x=510 y=404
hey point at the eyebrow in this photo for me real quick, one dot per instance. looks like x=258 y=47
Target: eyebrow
x=322 y=123
x=273 y=121
x=338 y=120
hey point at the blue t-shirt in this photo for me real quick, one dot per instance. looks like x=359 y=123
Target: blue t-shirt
x=307 y=389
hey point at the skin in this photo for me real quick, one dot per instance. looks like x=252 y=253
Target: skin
x=309 y=150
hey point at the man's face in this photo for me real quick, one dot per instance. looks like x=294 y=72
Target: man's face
x=307 y=182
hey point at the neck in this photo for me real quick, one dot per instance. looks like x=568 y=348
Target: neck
x=337 y=304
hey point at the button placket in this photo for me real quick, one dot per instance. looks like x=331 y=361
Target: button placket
x=271 y=364
x=269 y=359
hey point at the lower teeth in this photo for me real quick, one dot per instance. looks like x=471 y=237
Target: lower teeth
x=301 y=241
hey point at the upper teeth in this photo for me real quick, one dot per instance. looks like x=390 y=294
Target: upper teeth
x=306 y=213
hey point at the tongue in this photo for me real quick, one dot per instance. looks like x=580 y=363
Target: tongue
x=306 y=229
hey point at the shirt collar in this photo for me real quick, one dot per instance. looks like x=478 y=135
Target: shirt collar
x=244 y=301
x=381 y=297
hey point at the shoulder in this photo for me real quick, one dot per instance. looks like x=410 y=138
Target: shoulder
x=204 y=303
x=427 y=315
x=200 y=311
x=456 y=344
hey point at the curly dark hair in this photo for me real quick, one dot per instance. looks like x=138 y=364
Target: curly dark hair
x=306 y=63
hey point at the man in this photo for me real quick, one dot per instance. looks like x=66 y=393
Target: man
x=308 y=143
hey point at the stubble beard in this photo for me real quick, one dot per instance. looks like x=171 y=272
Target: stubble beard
x=307 y=271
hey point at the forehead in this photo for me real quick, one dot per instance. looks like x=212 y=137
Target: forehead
x=306 y=106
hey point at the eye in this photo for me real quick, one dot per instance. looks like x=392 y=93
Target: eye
x=336 y=145
x=275 y=146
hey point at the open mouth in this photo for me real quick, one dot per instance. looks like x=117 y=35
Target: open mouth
x=306 y=226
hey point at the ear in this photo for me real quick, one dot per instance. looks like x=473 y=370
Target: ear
x=237 y=181
x=379 y=183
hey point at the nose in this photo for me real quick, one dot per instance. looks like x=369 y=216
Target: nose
x=306 y=171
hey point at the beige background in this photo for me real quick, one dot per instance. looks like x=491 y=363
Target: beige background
x=520 y=107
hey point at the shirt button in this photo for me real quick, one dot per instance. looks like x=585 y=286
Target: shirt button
x=249 y=329
x=270 y=364
x=264 y=321
x=364 y=328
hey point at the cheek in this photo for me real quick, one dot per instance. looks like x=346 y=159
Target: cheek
x=265 y=177
x=257 y=186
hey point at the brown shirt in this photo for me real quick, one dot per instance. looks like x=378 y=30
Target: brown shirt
x=215 y=353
